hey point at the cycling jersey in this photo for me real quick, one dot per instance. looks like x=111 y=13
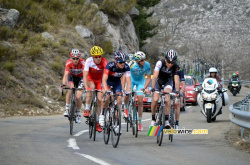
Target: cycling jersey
x=95 y=71
x=166 y=75
x=181 y=76
x=138 y=75
x=75 y=70
x=115 y=74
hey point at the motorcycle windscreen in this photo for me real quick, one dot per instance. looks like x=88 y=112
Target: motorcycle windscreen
x=210 y=84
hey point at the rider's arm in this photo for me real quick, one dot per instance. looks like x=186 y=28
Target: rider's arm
x=65 y=77
x=104 y=79
x=177 y=82
x=148 y=81
x=182 y=87
x=156 y=73
x=128 y=81
x=123 y=81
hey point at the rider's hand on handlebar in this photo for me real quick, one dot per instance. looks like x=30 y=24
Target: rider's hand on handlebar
x=177 y=93
x=62 y=86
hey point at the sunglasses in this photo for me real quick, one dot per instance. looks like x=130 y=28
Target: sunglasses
x=142 y=60
x=75 y=58
x=97 y=56
x=121 y=62
x=170 y=62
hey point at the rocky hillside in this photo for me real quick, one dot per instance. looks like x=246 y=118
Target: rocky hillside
x=212 y=30
x=36 y=38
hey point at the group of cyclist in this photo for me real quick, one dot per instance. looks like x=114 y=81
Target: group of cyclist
x=96 y=73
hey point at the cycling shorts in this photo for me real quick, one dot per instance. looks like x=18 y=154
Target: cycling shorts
x=168 y=84
x=98 y=83
x=139 y=86
x=77 y=81
x=117 y=86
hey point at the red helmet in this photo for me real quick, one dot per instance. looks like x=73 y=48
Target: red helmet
x=75 y=53
x=237 y=73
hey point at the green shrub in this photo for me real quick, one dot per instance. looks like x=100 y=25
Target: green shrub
x=35 y=52
x=107 y=47
x=9 y=66
x=117 y=8
x=5 y=33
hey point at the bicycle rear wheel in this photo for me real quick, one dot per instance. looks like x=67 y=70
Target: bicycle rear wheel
x=95 y=120
x=116 y=123
x=91 y=120
x=106 y=128
x=129 y=117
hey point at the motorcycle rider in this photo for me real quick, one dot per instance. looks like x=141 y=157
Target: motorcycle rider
x=234 y=78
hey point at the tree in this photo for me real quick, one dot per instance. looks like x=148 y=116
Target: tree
x=144 y=29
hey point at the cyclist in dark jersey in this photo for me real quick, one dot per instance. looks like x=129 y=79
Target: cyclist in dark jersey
x=113 y=73
x=166 y=72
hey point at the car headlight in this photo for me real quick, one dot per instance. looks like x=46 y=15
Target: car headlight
x=213 y=96
x=191 y=92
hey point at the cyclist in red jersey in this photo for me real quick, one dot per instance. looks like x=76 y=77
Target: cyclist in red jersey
x=92 y=78
x=73 y=77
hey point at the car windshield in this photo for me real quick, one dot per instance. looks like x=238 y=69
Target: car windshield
x=188 y=81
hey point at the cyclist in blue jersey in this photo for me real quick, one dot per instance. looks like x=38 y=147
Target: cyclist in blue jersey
x=113 y=73
x=138 y=69
x=182 y=91
x=165 y=74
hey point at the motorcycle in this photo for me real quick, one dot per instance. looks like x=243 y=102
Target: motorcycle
x=211 y=100
x=234 y=88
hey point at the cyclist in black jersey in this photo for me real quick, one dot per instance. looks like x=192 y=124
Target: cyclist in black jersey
x=166 y=73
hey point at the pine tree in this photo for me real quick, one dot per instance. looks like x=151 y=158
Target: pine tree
x=144 y=29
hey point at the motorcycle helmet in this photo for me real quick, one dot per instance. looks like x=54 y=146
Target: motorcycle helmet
x=212 y=70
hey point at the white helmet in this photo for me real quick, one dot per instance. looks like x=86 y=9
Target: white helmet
x=131 y=57
x=140 y=56
x=212 y=70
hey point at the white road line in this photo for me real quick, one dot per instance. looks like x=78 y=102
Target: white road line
x=73 y=144
x=142 y=120
x=99 y=161
x=81 y=132
x=188 y=107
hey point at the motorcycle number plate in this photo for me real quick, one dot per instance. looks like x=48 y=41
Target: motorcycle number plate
x=209 y=105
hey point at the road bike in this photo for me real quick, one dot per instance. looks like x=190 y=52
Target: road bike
x=72 y=109
x=112 y=120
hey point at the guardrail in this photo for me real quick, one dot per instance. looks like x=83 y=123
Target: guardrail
x=240 y=114
x=241 y=81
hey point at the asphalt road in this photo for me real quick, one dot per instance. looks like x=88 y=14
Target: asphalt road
x=46 y=140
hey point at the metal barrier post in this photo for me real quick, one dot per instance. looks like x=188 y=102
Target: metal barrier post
x=242 y=132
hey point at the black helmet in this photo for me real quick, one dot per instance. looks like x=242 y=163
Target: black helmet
x=171 y=55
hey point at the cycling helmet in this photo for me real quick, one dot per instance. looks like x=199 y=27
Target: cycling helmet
x=234 y=74
x=140 y=56
x=96 y=51
x=75 y=53
x=131 y=57
x=120 y=56
x=212 y=70
x=171 y=55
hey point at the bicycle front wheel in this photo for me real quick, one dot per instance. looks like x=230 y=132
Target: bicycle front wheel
x=161 y=123
x=72 y=117
x=116 y=126
x=172 y=122
x=95 y=120
x=135 y=120
x=91 y=121
x=106 y=128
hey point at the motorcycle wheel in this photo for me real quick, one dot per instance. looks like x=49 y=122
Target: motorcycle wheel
x=209 y=115
x=234 y=92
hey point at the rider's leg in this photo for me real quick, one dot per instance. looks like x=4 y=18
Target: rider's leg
x=154 y=106
x=140 y=110
x=177 y=112
x=168 y=89
x=88 y=98
x=68 y=96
